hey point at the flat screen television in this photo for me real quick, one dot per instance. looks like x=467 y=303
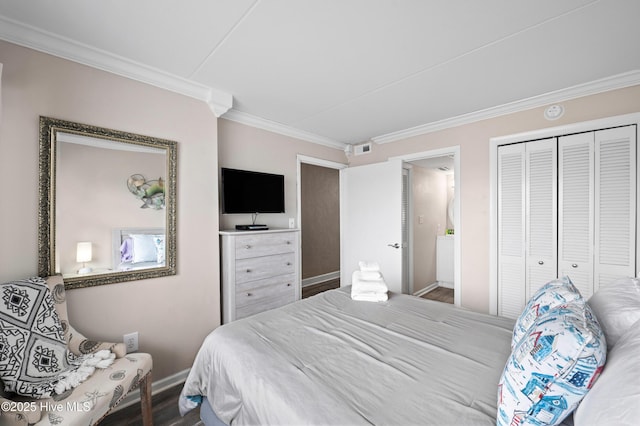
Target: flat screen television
x=245 y=191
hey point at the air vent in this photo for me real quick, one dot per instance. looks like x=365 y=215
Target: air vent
x=363 y=148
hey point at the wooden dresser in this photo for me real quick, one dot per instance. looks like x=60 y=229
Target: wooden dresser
x=260 y=271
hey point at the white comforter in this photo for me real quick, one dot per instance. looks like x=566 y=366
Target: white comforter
x=329 y=360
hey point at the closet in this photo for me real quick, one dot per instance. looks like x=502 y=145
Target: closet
x=566 y=205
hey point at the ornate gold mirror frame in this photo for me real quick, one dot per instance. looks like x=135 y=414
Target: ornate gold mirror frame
x=53 y=132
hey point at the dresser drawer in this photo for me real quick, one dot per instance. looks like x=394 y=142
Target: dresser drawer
x=256 y=268
x=266 y=244
x=268 y=294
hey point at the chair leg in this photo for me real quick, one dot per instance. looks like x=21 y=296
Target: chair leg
x=145 y=400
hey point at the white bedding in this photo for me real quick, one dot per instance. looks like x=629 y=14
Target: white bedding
x=331 y=360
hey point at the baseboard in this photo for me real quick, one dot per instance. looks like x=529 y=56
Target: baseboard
x=156 y=387
x=320 y=278
x=426 y=290
x=445 y=284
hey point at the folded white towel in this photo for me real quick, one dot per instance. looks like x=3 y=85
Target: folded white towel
x=370 y=275
x=370 y=297
x=369 y=266
x=359 y=285
x=368 y=290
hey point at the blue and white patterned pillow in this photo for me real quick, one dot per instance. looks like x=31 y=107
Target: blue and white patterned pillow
x=552 y=295
x=552 y=367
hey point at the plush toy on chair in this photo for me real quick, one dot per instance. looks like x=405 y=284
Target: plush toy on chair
x=58 y=375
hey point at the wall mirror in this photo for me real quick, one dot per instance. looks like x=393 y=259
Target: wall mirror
x=107 y=204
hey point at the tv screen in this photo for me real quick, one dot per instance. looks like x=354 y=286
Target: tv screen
x=244 y=191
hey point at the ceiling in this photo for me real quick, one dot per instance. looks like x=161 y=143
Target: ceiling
x=342 y=72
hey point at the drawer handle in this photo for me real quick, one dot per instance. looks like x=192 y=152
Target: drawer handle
x=247 y=246
x=540 y=262
x=288 y=263
x=248 y=271
x=288 y=242
x=575 y=265
x=288 y=284
x=249 y=294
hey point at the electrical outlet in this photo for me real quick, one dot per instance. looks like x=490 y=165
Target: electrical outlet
x=292 y=222
x=131 y=341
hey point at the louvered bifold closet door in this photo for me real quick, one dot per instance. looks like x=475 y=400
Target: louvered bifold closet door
x=511 y=230
x=615 y=201
x=541 y=213
x=575 y=209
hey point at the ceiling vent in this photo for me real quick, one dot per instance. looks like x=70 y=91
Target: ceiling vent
x=363 y=148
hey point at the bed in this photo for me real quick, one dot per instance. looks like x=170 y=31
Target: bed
x=331 y=360
x=137 y=248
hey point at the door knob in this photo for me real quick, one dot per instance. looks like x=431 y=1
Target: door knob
x=396 y=245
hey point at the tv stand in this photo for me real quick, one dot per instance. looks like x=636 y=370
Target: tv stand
x=252 y=227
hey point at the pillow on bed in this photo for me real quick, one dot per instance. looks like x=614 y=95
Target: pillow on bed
x=144 y=248
x=615 y=397
x=552 y=367
x=617 y=307
x=553 y=294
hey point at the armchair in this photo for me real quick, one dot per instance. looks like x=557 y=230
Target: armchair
x=91 y=400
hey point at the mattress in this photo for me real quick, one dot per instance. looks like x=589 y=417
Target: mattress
x=333 y=361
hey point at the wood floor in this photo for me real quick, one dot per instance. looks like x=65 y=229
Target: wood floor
x=320 y=287
x=165 y=404
x=165 y=412
x=440 y=294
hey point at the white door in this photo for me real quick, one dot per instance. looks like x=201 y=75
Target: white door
x=541 y=213
x=575 y=210
x=615 y=201
x=511 y=230
x=371 y=220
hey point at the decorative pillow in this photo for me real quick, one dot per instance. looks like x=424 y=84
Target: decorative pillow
x=144 y=249
x=159 y=242
x=126 y=250
x=615 y=397
x=552 y=367
x=617 y=307
x=34 y=360
x=553 y=294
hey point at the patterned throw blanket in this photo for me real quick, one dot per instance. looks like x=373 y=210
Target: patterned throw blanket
x=34 y=358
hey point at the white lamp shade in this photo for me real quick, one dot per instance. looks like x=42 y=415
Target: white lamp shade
x=83 y=252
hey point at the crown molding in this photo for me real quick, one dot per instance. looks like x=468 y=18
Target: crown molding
x=618 y=81
x=275 y=127
x=46 y=42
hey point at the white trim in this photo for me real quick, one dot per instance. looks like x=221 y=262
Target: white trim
x=457 y=223
x=133 y=397
x=282 y=129
x=618 y=81
x=53 y=44
x=583 y=126
x=426 y=290
x=320 y=278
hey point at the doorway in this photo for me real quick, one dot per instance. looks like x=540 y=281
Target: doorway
x=434 y=224
x=319 y=223
x=432 y=195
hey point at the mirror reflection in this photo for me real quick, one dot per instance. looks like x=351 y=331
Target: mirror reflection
x=111 y=204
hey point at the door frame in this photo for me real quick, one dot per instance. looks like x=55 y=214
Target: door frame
x=457 y=222
x=566 y=129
